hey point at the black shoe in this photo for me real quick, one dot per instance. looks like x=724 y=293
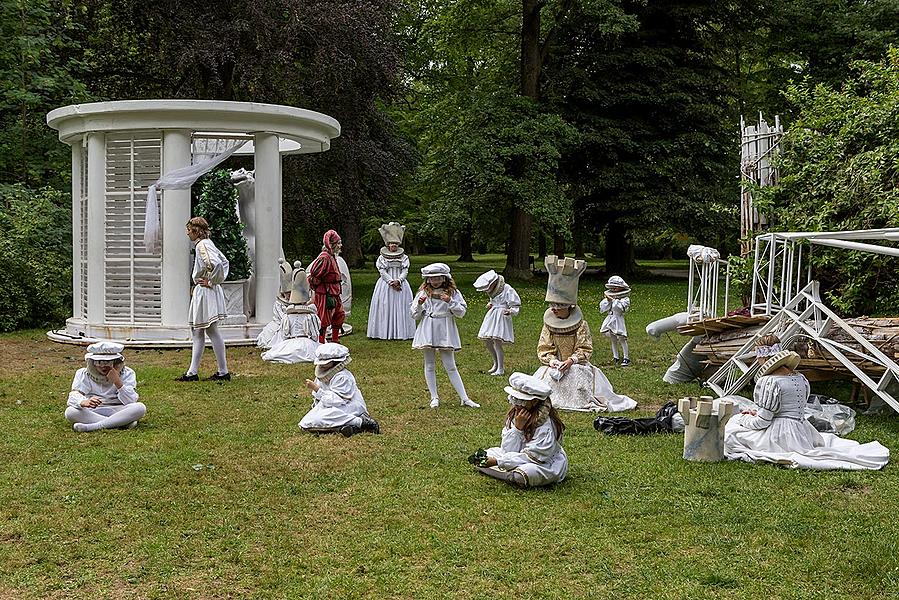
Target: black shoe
x=219 y=377
x=349 y=430
x=369 y=425
x=186 y=377
x=615 y=360
x=626 y=362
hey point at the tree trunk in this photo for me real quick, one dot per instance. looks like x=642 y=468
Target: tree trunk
x=352 y=242
x=578 y=234
x=541 y=245
x=452 y=242
x=517 y=264
x=619 y=251
x=559 y=246
x=465 y=244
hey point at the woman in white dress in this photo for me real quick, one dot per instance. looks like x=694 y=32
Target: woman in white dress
x=436 y=306
x=616 y=302
x=271 y=333
x=778 y=431
x=496 y=329
x=104 y=391
x=388 y=315
x=207 y=302
x=531 y=452
x=337 y=403
x=300 y=325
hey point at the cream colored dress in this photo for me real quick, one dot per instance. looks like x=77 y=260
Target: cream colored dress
x=583 y=387
x=207 y=304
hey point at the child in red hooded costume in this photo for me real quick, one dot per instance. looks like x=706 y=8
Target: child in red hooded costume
x=324 y=279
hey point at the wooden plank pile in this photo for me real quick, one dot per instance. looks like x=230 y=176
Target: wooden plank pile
x=723 y=337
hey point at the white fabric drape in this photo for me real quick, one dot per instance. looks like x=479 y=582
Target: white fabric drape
x=179 y=179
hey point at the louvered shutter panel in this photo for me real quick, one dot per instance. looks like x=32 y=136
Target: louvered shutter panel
x=133 y=276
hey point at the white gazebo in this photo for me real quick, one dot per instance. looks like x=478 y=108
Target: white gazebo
x=121 y=289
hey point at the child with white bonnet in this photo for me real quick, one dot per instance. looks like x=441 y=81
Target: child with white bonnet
x=104 y=394
x=496 y=329
x=531 y=452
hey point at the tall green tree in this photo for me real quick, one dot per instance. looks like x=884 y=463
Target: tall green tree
x=655 y=149
x=839 y=172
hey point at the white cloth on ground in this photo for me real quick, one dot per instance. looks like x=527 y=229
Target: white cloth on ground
x=437 y=321
x=388 y=315
x=780 y=434
x=497 y=324
x=337 y=402
x=114 y=400
x=207 y=304
x=614 y=321
x=298 y=339
x=271 y=333
x=542 y=460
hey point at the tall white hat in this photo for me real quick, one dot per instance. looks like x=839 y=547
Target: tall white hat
x=392 y=233
x=285 y=276
x=299 y=291
x=564 y=275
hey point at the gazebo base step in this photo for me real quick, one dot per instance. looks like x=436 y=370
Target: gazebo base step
x=149 y=336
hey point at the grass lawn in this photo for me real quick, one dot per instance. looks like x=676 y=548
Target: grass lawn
x=271 y=512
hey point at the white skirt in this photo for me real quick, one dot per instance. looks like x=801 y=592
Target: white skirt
x=292 y=351
x=388 y=316
x=207 y=305
x=797 y=444
x=437 y=332
x=584 y=388
x=269 y=336
x=497 y=326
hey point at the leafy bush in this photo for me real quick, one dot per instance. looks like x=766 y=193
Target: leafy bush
x=838 y=172
x=218 y=205
x=35 y=257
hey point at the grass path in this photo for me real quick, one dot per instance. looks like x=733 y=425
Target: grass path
x=274 y=513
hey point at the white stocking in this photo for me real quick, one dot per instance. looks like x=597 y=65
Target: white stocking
x=448 y=357
x=199 y=337
x=92 y=420
x=622 y=341
x=218 y=346
x=500 y=356
x=614 y=339
x=490 y=349
x=431 y=372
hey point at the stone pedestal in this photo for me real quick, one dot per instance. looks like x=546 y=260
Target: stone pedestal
x=704 y=433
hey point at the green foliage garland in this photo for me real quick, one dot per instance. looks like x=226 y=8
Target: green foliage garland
x=218 y=205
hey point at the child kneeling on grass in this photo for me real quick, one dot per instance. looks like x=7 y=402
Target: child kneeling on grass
x=531 y=452
x=337 y=403
x=103 y=392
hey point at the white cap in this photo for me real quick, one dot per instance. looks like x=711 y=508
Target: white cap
x=525 y=387
x=436 y=270
x=104 y=351
x=331 y=352
x=616 y=281
x=483 y=283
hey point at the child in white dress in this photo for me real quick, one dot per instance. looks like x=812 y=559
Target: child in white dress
x=271 y=333
x=388 y=315
x=616 y=302
x=531 y=452
x=207 y=302
x=337 y=403
x=496 y=329
x=436 y=306
x=104 y=394
x=300 y=325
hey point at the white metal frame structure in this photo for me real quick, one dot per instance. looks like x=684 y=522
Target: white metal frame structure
x=120 y=290
x=799 y=311
x=703 y=289
x=760 y=144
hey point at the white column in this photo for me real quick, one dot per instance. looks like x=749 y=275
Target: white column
x=76 y=229
x=176 y=265
x=96 y=228
x=268 y=223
